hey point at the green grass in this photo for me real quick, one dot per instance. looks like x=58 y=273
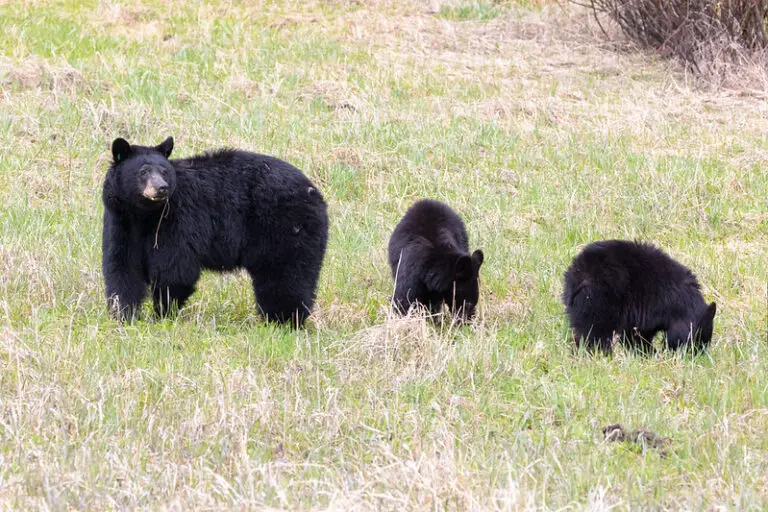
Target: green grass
x=472 y=11
x=542 y=142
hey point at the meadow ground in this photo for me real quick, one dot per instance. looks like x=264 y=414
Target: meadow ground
x=538 y=131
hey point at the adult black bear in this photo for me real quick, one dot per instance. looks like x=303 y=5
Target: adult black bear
x=430 y=261
x=166 y=220
x=634 y=290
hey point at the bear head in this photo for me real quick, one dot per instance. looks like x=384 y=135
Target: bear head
x=141 y=178
x=693 y=330
x=465 y=291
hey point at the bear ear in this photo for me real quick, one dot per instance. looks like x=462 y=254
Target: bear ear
x=477 y=257
x=121 y=150
x=463 y=268
x=166 y=147
x=709 y=314
x=706 y=323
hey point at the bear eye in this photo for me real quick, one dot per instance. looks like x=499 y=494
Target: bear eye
x=143 y=171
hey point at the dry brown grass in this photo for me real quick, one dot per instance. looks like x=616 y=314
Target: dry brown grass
x=723 y=43
x=401 y=349
x=561 y=48
x=363 y=411
x=32 y=73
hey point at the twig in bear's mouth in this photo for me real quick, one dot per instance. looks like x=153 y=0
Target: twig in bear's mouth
x=163 y=214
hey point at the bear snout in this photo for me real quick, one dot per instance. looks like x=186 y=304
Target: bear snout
x=156 y=188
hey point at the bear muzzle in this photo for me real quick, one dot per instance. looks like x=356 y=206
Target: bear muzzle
x=156 y=189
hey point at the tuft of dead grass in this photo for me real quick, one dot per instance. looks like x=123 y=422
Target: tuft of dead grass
x=33 y=73
x=399 y=350
x=336 y=95
x=134 y=22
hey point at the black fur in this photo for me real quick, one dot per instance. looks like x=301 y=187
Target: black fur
x=636 y=291
x=222 y=211
x=430 y=260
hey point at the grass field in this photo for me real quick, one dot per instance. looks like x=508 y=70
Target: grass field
x=540 y=133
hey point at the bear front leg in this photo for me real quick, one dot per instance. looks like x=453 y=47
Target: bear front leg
x=594 y=338
x=642 y=341
x=409 y=290
x=169 y=296
x=123 y=278
x=125 y=293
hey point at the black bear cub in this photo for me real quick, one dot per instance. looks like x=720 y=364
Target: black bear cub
x=634 y=290
x=166 y=220
x=430 y=261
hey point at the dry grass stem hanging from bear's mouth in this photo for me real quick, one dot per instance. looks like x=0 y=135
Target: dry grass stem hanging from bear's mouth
x=163 y=215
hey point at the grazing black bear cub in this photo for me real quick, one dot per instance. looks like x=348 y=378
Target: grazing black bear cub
x=430 y=260
x=634 y=290
x=166 y=220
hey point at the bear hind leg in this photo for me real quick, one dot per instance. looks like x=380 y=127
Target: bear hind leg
x=282 y=305
x=169 y=296
x=284 y=298
x=594 y=318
